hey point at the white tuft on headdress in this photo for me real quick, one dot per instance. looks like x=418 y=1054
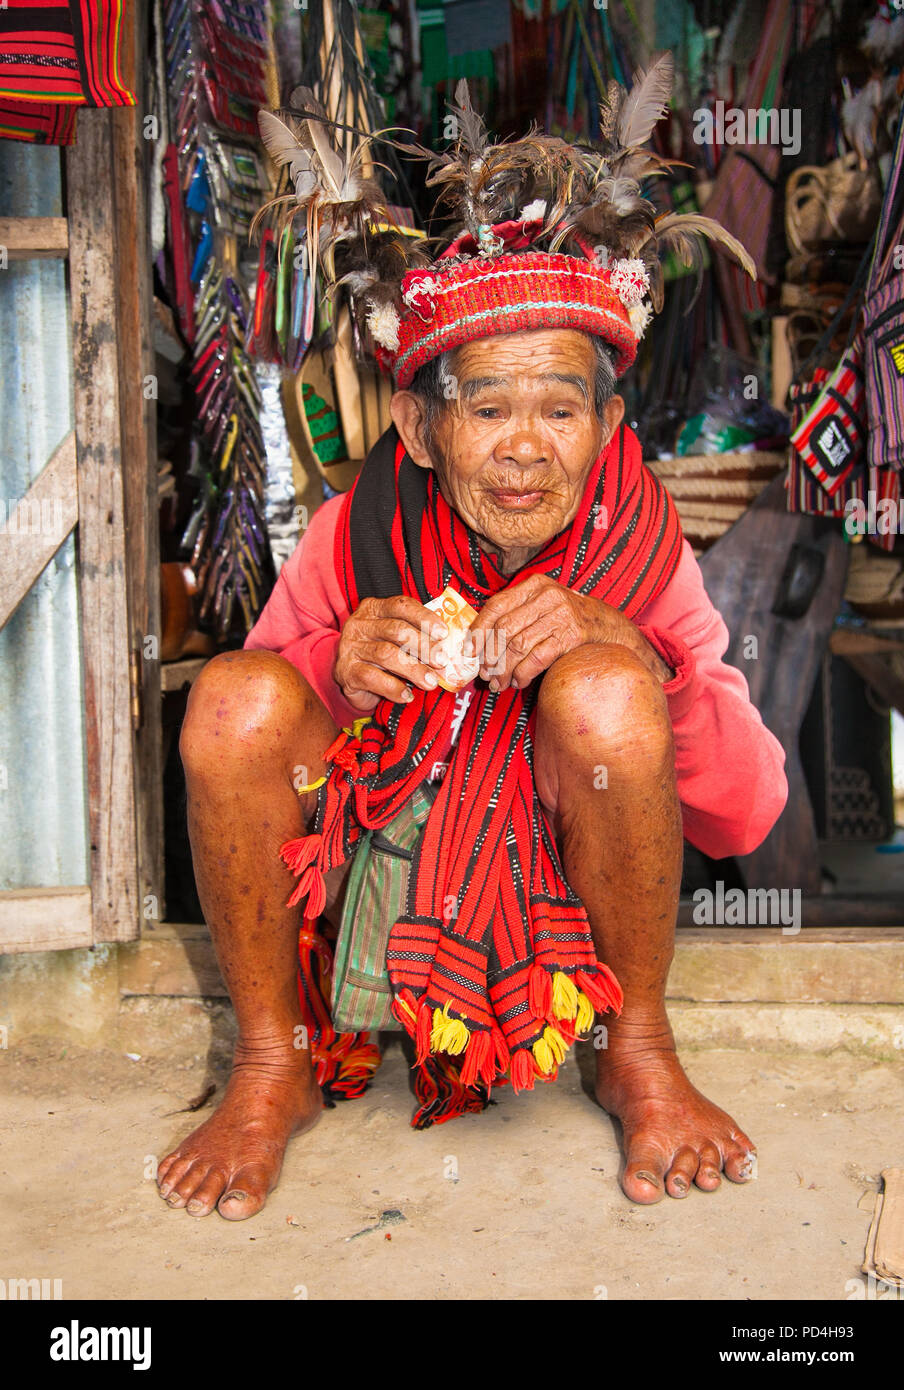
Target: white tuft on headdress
x=423 y=284
x=640 y=315
x=383 y=322
x=630 y=281
x=533 y=212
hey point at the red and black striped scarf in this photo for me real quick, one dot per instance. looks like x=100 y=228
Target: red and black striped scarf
x=493 y=961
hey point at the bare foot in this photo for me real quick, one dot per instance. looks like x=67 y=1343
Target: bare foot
x=233 y=1161
x=673 y=1136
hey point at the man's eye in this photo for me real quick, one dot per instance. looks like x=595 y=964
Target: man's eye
x=562 y=413
x=487 y=412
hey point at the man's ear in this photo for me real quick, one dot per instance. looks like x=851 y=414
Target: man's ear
x=613 y=414
x=408 y=416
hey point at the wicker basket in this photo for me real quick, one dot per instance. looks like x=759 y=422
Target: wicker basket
x=713 y=491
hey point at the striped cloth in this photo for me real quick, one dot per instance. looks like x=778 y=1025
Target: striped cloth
x=804 y=493
x=744 y=185
x=492 y=960
x=375 y=898
x=55 y=57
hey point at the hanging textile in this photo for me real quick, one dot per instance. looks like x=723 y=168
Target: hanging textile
x=744 y=185
x=53 y=59
x=216 y=65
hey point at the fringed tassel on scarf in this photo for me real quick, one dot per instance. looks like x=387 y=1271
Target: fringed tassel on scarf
x=441 y=1093
x=344 y=1063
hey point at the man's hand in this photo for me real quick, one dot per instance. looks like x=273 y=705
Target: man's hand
x=379 y=650
x=522 y=630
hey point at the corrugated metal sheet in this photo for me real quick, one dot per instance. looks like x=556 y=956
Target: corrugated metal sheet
x=43 y=821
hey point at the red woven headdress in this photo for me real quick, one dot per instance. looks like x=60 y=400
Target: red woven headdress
x=546 y=234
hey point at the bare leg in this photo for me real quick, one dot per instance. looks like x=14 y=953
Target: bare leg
x=251 y=722
x=620 y=836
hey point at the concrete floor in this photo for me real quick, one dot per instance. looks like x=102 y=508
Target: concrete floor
x=535 y=1210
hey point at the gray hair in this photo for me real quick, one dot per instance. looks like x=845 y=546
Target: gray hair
x=434 y=384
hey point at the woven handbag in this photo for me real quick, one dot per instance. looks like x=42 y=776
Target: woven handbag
x=830 y=437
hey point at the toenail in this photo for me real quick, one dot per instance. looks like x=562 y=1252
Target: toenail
x=648 y=1177
x=194 y=1206
x=236 y=1196
x=679 y=1184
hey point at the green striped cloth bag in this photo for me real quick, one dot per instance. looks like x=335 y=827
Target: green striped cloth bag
x=374 y=900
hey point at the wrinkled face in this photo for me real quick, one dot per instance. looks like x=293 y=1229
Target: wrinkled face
x=513 y=450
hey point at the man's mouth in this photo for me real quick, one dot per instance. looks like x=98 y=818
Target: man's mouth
x=516 y=499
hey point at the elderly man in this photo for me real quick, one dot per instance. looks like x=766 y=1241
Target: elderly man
x=684 y=752
x=600 y=729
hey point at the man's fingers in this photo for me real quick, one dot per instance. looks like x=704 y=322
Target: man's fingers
x=369 y=679
x=538 y=660
x=507 y=600
x=399 y=661
x=417 y=644
x=410 y=610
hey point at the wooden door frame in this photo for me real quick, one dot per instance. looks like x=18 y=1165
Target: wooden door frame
x=106 y=470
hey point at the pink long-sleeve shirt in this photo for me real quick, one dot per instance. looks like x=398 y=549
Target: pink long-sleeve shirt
x=729 y=766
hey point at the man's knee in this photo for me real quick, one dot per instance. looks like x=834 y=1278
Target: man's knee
x=237 y=697
x=602 y=698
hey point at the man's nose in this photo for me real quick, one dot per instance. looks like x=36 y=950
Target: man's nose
x=524 y=447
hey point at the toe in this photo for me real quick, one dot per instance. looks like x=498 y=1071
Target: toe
x=165 y=1165
x=245 y=1195
x=740 y=1163
x=185 y=1185
x=682 y=1172
x=642 y=1179
x=175 y=1171
x=207 y=1193
x=709 y=1176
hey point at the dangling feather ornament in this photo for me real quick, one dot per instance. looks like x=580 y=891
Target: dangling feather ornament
x=329 y=185
x=613 y=214
x=482 y=183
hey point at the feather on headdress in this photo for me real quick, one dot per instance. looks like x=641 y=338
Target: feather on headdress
x=578 y=205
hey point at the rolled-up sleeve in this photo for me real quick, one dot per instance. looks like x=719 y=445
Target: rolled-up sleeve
x=730 y=768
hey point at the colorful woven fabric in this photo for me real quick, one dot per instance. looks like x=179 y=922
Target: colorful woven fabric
x=493 y=960
x=508 y=294
x=344 y=1063
x=37 y=122
x=375 y=898
x=55 y=57
x=65 y=52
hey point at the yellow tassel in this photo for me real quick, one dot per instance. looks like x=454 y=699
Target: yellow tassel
x=584 y=1021
x=564 y=995
x=357 y=726
x=448 y=1034
x=543 y=1055
x=311 y=787
x=557 y=1044
x=549 y=1050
